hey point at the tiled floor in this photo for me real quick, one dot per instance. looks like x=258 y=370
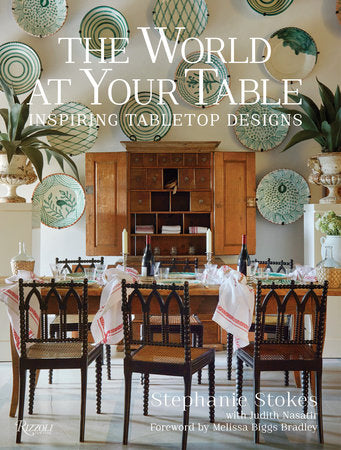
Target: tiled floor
x=58 y=406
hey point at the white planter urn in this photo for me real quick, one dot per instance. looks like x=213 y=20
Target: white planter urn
x=17 y=173
x=326 y=171
x=331 y=241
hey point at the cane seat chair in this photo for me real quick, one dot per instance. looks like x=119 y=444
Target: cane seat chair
x=46 y=352
x=302 y=353
x=270 y=323
x=161 y=357
x=73 y=266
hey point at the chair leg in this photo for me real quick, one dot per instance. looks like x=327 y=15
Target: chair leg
x=142 y=379
x=22 y=386
x=53 y=335
x=229 y=353
x=84 y=375
x=200 y=344
x=108 y=359
x=318 y=387
x=211 y=389
x=239 y=385
x=31 y=390
x=286 y=378
x=145 y=394
x=256 y=387
x=188 y=383
x=127 y=396
x=305 y=388
x=99 y=384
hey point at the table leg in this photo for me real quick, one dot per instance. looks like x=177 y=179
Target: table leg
x=15 y=377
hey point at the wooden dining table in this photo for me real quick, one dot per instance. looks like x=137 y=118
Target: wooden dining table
x=204 y=300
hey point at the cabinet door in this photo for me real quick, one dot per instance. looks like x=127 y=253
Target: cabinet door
x=106 y=207
x=234 y=202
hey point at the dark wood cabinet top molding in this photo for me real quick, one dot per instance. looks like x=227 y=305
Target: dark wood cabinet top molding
x=171 y=146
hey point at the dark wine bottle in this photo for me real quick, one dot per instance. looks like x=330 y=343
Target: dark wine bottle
x=148 y=263
x=244 y=258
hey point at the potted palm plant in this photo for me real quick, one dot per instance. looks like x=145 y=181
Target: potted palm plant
x=324 y=125
x=21 y=147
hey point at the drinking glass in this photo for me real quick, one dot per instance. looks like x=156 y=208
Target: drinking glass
x=163 y=272
x=198 y=274
x=253 y=268
x=56 y=270
x=90 y=273
x=173 y=251
x=156 y=269
x=100 y=269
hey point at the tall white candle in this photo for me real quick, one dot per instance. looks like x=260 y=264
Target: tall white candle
x=124 y=241
x=208 y=241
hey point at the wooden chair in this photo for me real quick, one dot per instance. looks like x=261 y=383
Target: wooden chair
x=72 y=266
x=180 y=265
x=45 y=352
x=297 y=354
x=196 y=327
x=161 y=357
x=270 y=325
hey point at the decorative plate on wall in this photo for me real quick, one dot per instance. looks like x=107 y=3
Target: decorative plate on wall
x=189 y=14
x=281 y=196
x=188 y=85
x=261 y=137
x=104 y=22
x=40 y=17
x=338 y=9
x=293 y=54
x=82 y=136
x=269 y=7
x=20 y=66
x=145 y=122
x=61 y=200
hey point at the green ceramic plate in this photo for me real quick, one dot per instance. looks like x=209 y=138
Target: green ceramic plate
x=188 y=85
x=104 y=22
x=269 y=7
x=81 y=137
x=40 y=17
x=20 y=66
x=293 y=54
x=260 y=137
x=61 y=200
x=136 y=119
x=281 y=196
x=189 y=14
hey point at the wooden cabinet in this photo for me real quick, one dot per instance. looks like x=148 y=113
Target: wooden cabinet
x=127 y=189
x=106 y=202
x=234 y=202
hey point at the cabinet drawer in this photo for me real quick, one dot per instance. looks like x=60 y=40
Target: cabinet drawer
x=163 y=159
x=186 y=178
x=137 y=178
x=202 y=178
x=149 y=160
x=154 y=178
x=136 y=159
x=204 y=159
x=177 y=159
x=139 y=201
x=190 y=159
x=200 y=201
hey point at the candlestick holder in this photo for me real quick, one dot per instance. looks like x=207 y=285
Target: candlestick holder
x=125 y=258
x=209 y=257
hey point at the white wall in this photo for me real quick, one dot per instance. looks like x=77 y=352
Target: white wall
x=228 y=18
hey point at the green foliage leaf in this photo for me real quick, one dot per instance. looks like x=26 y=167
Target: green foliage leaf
x=302 y=136
x=309 y=107
x=10 y=148
x=8 y=92
x=328 y=100
x=326 y=130
x=337 y=98
x=36 y=158
x=4 y=115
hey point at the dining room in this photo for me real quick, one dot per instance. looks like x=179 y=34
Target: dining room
x=170 y=205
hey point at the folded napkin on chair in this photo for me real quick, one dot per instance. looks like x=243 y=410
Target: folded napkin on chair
x=107 y=325
x=234 y=311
